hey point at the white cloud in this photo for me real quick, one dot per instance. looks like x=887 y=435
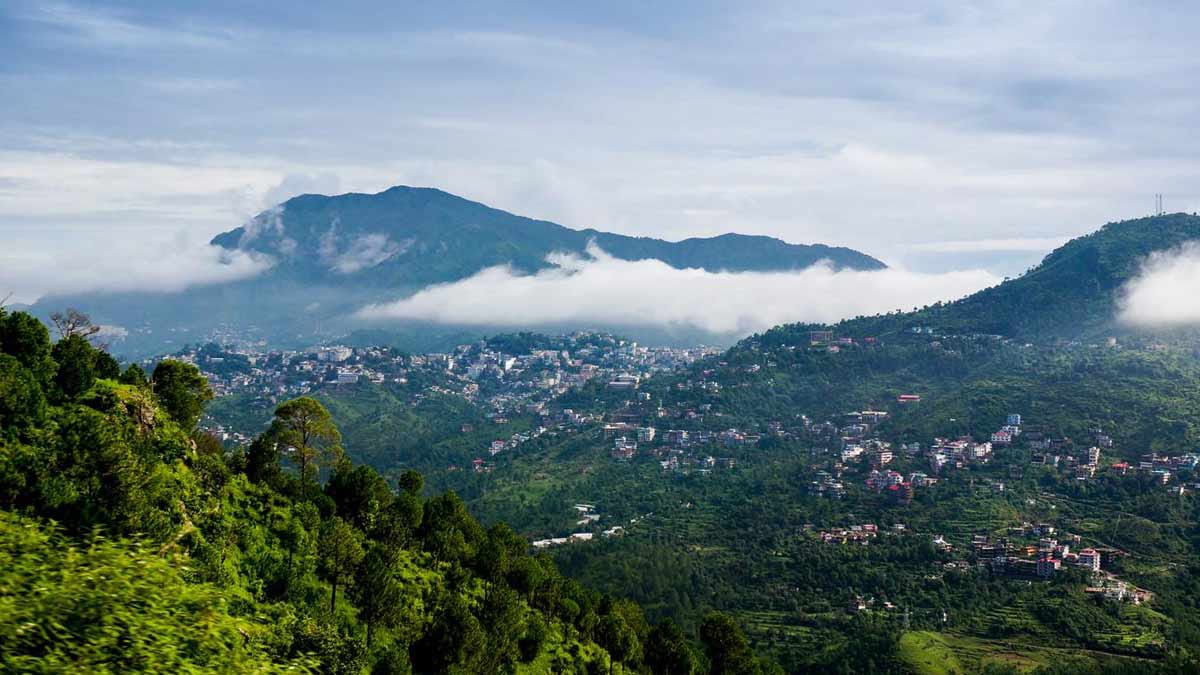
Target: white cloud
x=364 y=251
x=1167 y=290
x=167 y=265
x=102 y=29
x=603 y=290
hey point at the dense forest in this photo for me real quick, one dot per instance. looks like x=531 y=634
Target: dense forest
x=130 y=541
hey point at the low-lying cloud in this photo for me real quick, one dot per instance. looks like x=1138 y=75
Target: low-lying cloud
x=1166 y=293
x=604 y=291
x=360 y=253
x=164 y=266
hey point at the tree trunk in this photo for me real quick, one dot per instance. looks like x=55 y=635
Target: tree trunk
x=303 y=475
x=333 y=597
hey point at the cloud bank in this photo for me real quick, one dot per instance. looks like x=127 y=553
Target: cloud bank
x=162 y=266
x=602 y=290
x=1166 y=293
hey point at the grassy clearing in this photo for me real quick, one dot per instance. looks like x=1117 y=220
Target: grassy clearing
x=929 y=653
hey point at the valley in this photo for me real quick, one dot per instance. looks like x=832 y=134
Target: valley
x=882 y=479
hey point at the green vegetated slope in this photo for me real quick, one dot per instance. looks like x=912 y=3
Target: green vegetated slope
x=382 y=425
x=131 y=543
x=741 y=542
x=743 y=539
x=390 y=432
x=1075 y=290
x=1148 y=399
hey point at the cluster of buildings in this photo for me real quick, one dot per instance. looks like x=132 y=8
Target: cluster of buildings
x=1008 y=433
x=587 y=528
x=859 y=535
x=957 y=454
x=829 y=341
x=503 y=382
x=515 y=441
x=827 y=485
x=853 y=447
x=1162 y=468
x=855 y=534
x=1041 y=559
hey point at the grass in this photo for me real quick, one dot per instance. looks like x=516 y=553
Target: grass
x=929 y=653
x=932 y=653
x=562 y=654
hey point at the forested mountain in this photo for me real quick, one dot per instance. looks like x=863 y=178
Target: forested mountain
x=405 y=235
x=332 y=255
x=130 y=542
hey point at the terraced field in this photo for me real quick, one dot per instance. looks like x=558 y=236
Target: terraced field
x=1141 y=632
x=930 y=653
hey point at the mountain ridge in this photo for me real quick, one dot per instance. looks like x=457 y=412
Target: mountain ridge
x=401 y=234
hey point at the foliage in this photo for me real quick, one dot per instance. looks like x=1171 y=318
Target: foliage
x=305 y=429
x=172 y=554
x=182 y=391
x=112 y=606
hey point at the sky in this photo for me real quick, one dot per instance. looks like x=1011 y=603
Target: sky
x=937 y=136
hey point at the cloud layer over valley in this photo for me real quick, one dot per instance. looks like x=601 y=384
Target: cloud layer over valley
x=1167 y=291
x=604 y=291
x=169 y=264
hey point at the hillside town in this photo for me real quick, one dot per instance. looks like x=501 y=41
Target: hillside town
x=504 y=377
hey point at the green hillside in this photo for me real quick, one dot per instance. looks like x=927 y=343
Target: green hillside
x=130 y=542
x=744 y=539
x=1073 y=292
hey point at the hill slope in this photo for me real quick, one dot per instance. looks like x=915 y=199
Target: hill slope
x=1073 y=292
x=766 y=529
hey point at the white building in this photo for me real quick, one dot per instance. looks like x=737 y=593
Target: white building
x=1090 y=559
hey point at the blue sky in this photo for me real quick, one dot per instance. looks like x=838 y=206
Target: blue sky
x=939 y=135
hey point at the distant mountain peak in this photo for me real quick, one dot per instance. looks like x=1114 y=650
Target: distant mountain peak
x=419 y=235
